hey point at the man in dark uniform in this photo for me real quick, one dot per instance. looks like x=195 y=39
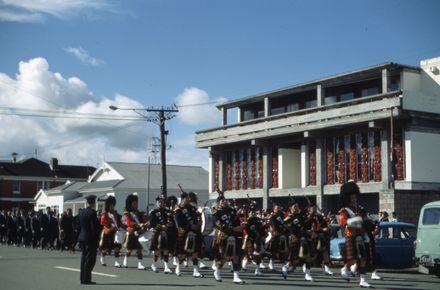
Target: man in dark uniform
x=2 y=226
x=36 y=229
x=66 y=230
x=11 y=225
x=88 y=239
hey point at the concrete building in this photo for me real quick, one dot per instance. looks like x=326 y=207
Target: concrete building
x=379 y=126
x=121 y=179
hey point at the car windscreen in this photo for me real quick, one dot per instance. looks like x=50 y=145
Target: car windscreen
x=431 y=216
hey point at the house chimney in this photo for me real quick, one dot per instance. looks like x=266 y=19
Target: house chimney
x=14 y=157
x=53 y=164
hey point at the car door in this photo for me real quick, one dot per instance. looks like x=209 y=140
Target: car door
x=388 y=245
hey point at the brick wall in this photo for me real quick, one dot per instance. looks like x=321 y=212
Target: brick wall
x=408 y=204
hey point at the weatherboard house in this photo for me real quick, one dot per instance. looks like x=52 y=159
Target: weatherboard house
x=378 y=126
x=121 y=179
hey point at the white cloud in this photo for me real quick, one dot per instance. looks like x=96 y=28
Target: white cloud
x=197 y=108
x=83 y=56
x=38 y=10
x=74 y=141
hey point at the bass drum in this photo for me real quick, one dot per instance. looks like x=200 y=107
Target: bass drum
x=207 y=221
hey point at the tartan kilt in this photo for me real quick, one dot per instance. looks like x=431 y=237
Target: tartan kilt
x=294 y=250
x=250 y=247
x=181 y=240
x=350 y=249
x=107 y=241
x=155 y=242
x=132 y=242
x=219 y=246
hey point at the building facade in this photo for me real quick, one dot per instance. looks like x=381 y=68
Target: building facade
x=378 y=126
x=21 y=180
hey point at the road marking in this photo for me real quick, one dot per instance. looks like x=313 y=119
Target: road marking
x=94 y=273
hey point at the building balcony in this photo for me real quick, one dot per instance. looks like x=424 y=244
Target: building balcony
x=341 y=114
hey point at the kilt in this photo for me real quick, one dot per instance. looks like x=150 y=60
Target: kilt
x=219 y=246
x=253 y=248
x=132 y=242
x=107 y=241
x=155 y=242
x=294 y=250
x=181 y=240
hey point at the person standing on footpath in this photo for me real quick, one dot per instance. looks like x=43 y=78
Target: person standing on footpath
x=88 y=239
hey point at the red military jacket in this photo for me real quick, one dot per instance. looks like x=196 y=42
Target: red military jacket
x=110 y=221
x=135 y=221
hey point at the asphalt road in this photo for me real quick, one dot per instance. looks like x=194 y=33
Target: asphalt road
x=35 y=269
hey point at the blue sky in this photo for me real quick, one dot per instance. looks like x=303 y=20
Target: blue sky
x=153 y=51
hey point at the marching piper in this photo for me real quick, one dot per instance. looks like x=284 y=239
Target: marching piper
x=300 y=245
x=111 y=223
x=188 y=234
x=254 y=235
x=355 y=236
x=321 y=238
x=136 y=225
x=227 y=239
x=278 y=244
x=160 y=220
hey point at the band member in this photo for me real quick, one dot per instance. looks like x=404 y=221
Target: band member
x=278 y=245
x=136 y=225
x=227 y=241
x=300 y=243
x=254 y=235
x=188 y=234
x=88 y=239
x=352 y=223
x=110 y=222
x=160 y=219
x=321 y=237
x=66 y=230
x=371 y=229
x=171 y=204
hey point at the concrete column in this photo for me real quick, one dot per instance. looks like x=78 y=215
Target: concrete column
x=224 y=116
x=385 y=156
x=221 y=168
x=267 y=173
x=386 y=81
x=266 y=107
x=211 y=166
x=239 y=115
x=304 y=165
x=320 y=94
x=320 y=173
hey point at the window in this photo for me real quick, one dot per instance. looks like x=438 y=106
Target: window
x=347 y=96
x=43 y=185
x=16 y=187
x=370 y=91
x=431 y=216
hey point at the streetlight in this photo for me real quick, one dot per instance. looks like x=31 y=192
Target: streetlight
x=163 y=114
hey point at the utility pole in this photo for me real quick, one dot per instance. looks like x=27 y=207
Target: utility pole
x=161 y=116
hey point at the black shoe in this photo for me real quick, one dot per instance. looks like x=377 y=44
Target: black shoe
x=88 y=283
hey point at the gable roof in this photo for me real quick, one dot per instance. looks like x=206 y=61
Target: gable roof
x=33 y=167
x=192 y=178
